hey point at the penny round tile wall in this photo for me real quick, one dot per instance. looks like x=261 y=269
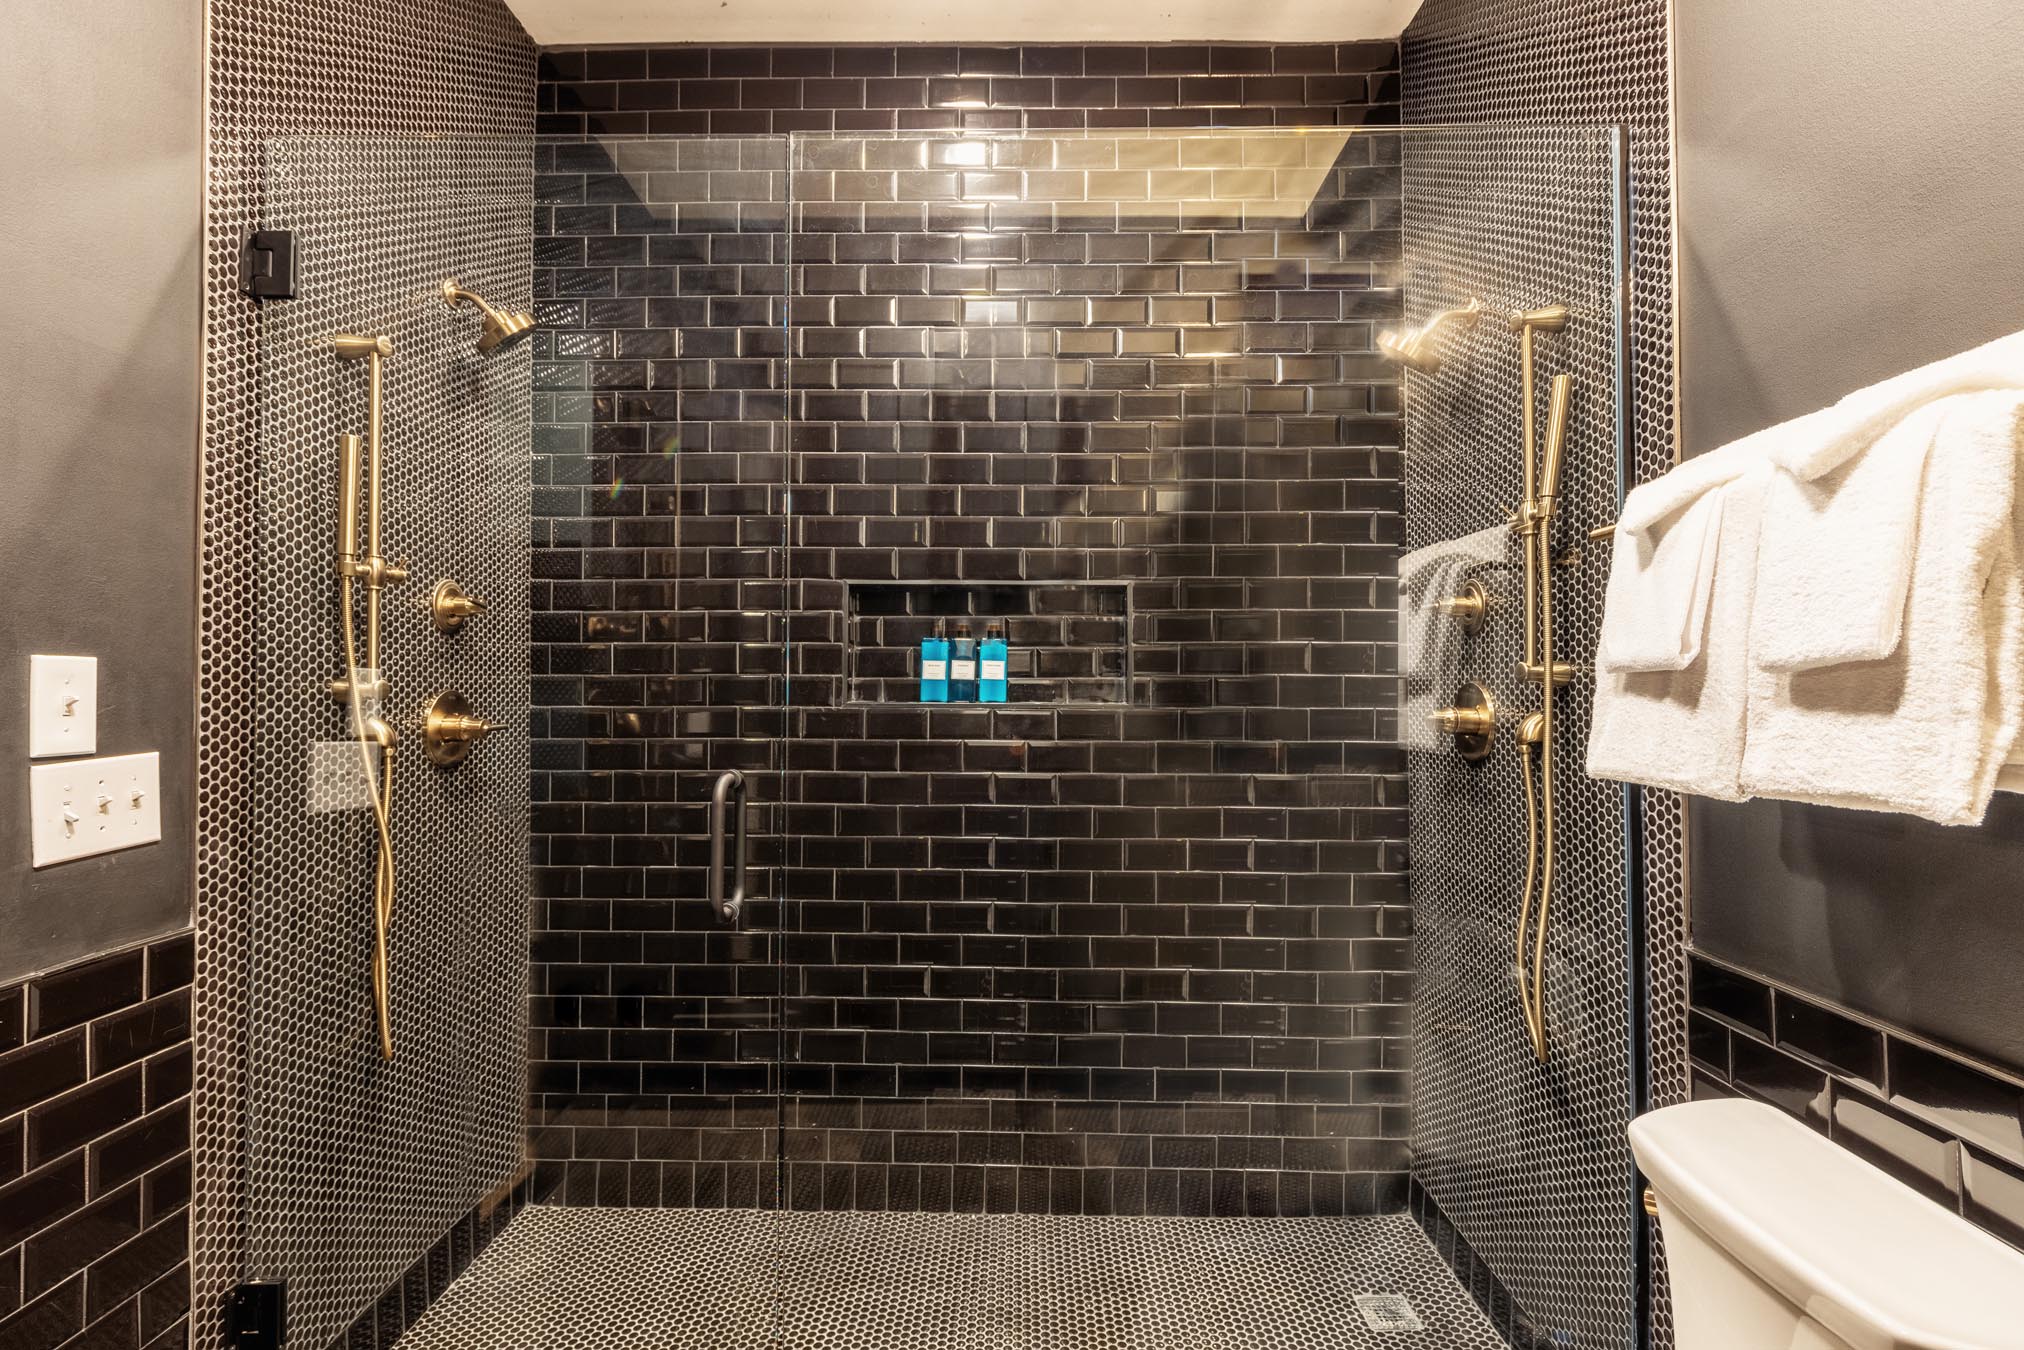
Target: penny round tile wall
x=278 y=972
x=1596 y=61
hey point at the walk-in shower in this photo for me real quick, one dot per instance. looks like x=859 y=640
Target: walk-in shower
x=835 y=1016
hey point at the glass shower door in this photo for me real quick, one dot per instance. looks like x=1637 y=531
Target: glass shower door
x=660 y=655
x=628 y=666
x=1129 y=943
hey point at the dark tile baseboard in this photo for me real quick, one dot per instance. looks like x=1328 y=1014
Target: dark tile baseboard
x=947 y=1188
x=423 y=1282
x=95 y=1151
x=1948 y=1126
x=1512 y=1322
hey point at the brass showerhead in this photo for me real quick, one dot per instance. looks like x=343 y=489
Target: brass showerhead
x=1415 y=346
x=501 y=329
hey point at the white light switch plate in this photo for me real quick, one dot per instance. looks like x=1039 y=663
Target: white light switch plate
x=86 y=806
x=62 y=706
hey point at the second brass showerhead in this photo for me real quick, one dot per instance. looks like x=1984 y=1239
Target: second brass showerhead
x=1415 y=346
x=501 y=329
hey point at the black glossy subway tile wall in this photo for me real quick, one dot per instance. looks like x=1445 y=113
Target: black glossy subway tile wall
x=95 y=1151
x=759 y=91
x=1945 y=1125
x=1134 y=942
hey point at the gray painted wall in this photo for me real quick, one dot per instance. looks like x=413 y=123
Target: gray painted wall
x=1850 y=206
x=100 y=226
x=1851 y=202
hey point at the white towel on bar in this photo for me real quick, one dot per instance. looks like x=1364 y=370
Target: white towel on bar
x=1431 y=664
x=1819 y=442
x=1683 y=729
x=1656 y=604
x=1927 y=729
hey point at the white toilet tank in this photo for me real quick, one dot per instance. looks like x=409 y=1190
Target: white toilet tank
x=1777 y=1239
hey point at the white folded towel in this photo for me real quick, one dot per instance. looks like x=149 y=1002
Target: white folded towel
x=1659 y=581
x=1835 y=566
x=1433 y=643
x=1684 y=729
x=1925 y=730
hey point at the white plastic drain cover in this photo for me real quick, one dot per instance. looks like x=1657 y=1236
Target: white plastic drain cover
x=1388 y=1312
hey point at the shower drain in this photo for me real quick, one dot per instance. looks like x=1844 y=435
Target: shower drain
x=1388 y=1312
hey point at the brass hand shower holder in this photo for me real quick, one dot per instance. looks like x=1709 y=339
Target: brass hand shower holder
x=1533 y=523
x=358 y=684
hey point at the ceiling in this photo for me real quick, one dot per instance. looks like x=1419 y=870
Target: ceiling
x=564 y=23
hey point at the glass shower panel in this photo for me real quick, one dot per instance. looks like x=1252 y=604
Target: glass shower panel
x=646 y=466
x=1525 y=1033
x=357 y=1164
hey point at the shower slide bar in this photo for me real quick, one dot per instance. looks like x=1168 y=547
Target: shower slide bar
x=359 y=684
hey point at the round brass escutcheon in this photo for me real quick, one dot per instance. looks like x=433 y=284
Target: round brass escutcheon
x=1471 y=719
x=450 y=730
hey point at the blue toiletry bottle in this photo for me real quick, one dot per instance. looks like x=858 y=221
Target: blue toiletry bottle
x=963 y=666
x=935 y=667
x=991 y=665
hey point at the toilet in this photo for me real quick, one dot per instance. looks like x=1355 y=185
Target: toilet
x=1778 y=1239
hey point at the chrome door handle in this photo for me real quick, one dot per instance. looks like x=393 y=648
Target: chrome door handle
x=727 y=799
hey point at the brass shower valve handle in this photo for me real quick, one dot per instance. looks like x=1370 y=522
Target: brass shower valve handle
x=450 y=604
x=450 y=729
x=1471 y=719
x=1465 y=721
x=1468 y=607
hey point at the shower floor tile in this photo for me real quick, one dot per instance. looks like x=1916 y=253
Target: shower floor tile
x=560 y=1278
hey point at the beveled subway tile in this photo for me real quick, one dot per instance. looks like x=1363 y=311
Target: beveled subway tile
x=1733 y=997
x=1793 y=1086
x=1841 y=1044
x=1921 y=1157
x=1976 y=1106
x=990 y=460
x=80 y=992
x=1993 y=1195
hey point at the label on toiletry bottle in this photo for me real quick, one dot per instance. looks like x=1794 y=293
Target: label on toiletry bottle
x=934 y=670
x=960 y=670
x=991 y=670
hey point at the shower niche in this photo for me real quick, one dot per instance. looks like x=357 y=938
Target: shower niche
x=1066 y=642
